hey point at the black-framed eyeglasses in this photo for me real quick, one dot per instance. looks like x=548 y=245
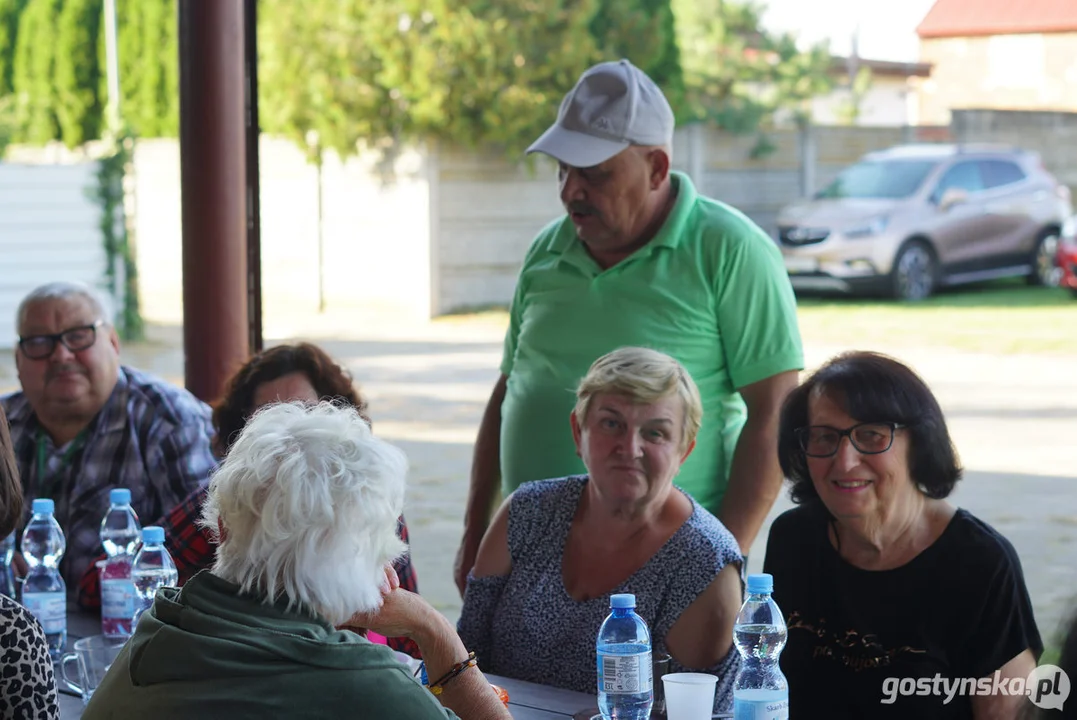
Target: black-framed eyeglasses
x=39 y=347
x=871 y=438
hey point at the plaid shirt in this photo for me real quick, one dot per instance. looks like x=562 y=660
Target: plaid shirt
x=193 y=549
x=151 y=437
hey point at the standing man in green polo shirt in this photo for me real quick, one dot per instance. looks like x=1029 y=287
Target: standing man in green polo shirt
x=640 y=258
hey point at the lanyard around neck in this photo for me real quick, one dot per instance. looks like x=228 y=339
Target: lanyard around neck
x=44 y=480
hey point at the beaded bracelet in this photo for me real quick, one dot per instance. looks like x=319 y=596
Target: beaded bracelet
x=439 y=687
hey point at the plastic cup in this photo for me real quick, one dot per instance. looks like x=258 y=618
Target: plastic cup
x=689 y=696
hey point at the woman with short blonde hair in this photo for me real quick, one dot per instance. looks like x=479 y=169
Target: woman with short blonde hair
x=559 y=548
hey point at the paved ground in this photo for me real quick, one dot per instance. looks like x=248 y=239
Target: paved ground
x=1014 y=420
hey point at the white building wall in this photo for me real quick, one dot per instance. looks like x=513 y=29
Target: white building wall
x=48 y=232
x=376 y=233
x=887 y=103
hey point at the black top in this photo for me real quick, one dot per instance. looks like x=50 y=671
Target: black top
x=959 y=609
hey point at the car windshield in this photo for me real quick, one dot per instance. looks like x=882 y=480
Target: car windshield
x=879 y=179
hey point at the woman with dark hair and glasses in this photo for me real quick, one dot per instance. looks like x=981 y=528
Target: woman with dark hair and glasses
x=890 y=592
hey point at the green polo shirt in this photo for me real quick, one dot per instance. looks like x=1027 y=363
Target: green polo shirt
x=710 y=289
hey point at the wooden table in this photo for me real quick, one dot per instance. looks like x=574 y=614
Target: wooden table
x=527 y=701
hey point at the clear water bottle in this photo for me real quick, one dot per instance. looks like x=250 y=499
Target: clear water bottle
x=760 y=691
x=7 y=575
x=119 y=536
x=153 y=568
x=625 y=687
x=43 y=591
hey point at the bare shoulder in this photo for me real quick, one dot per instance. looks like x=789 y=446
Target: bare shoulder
x=494 y=558
x=703 y=633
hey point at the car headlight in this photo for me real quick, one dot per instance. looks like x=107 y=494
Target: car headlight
x=874 y=226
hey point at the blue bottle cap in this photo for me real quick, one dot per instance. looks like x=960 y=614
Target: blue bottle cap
x=43 y=506
x=622 y=601
x=119 y=496
x=761 y=583
x=153 y=535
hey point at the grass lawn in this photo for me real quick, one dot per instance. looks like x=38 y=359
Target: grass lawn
x=999 y=317
x=1006 y=316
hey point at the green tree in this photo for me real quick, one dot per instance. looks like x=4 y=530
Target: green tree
x=147 y=40
x=34 y=73
x=848 y=110
x=316 y=73
x=735 y=73
x=157 y=100
x=10 y=11
x=643 y=31
x=79 y=108
x=7 y=121
x=468 y=72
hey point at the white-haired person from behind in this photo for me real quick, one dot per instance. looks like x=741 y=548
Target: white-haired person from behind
x=306 y=505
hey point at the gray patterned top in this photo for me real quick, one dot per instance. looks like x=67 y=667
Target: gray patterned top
x=525 y=625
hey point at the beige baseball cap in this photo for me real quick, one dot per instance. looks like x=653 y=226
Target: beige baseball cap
x=613 y=106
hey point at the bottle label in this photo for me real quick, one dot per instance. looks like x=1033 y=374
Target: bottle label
x=117 y=598
x=774 y=707
x=626 y=674
x=50 y=609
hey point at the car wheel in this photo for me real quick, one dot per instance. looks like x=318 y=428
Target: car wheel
x=1045 y=269
x=914 y=273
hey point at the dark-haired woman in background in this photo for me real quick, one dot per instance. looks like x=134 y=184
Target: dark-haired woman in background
x=282 y=373
x=27 y=683
x=880 y=578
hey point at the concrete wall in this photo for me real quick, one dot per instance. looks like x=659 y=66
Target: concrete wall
x=450 y=231
x=489 y=209
x=1051 y=134
x=48 y=232
x=376 y=236
x=451 y=228
x=1005 y=72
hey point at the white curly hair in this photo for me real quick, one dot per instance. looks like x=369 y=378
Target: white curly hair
x=308 y=501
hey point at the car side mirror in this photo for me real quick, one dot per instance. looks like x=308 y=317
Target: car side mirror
x=953 y=196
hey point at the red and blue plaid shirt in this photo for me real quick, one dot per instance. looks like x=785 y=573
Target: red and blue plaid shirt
x=150 y=437
x=193 y=549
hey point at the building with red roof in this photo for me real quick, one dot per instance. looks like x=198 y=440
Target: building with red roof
x=998 y=54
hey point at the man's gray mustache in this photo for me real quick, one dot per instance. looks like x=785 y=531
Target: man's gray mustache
x=582 y=209
x=66 y=368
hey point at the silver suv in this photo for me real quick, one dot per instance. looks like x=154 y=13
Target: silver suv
x=907 y=220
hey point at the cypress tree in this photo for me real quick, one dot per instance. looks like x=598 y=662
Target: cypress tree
x=34 y=72
x=10 y=10
x=80 y=109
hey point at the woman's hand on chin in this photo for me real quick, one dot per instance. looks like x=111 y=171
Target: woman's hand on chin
x=390 y=581
x=402 y=614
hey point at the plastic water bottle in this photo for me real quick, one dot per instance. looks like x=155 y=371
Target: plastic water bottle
x=119 y=536
x=43 y=591
x=7 y=577
x=760 y=691
x=153 y=568
x=625 y=686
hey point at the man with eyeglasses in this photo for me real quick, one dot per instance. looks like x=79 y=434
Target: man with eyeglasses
x=84 y=424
